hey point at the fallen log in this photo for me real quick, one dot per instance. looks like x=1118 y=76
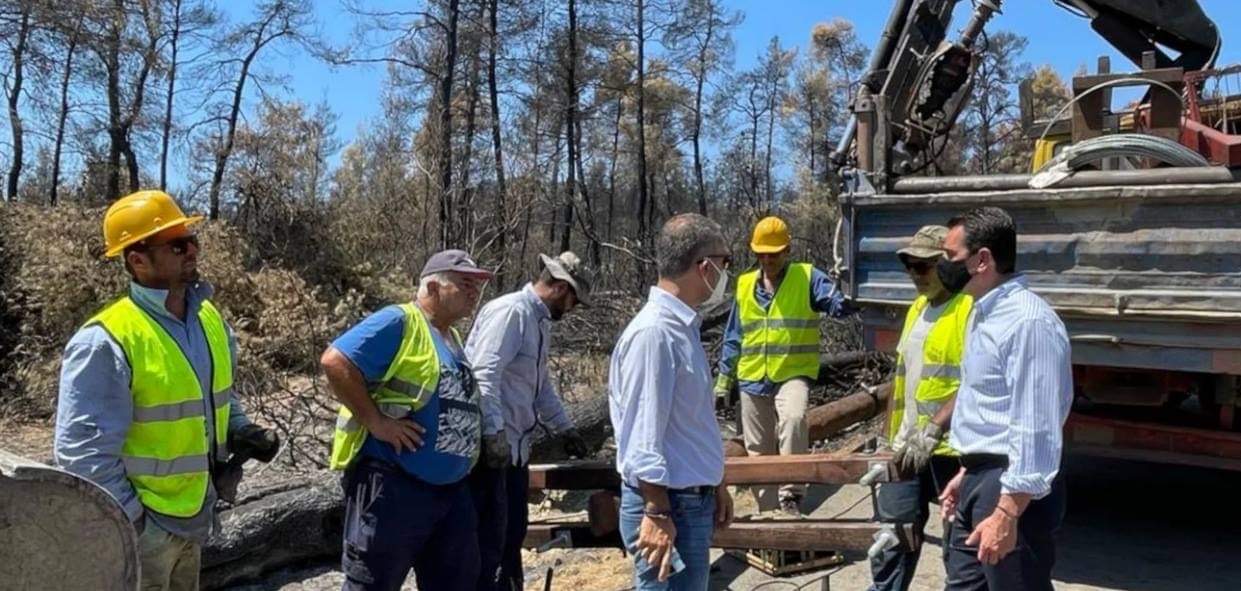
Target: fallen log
x=828 y=419
x=292 y=522
x=590 y=416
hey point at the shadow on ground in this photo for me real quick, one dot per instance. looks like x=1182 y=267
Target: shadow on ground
x=1150 y=527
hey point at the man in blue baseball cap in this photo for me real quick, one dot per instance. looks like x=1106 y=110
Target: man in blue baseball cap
x=408 y=434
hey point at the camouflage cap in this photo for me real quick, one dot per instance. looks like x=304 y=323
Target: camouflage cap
x=927 y=243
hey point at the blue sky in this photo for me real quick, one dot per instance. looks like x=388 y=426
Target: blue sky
x=1056 y=37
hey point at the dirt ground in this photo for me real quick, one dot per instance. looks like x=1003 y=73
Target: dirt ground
x=1130 y=526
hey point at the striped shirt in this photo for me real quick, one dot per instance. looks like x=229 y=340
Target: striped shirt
x=1016 y=387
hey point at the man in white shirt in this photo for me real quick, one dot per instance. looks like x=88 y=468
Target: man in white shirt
x=1015 y=395
x=669 y=452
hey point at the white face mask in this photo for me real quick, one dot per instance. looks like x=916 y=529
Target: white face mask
x=719 y=291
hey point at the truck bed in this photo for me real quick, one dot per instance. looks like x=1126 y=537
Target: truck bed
x=1143 y=276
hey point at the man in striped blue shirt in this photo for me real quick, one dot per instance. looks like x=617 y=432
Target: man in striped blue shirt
x=1016 y=391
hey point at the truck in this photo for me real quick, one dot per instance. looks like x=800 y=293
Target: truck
x=1129 y=223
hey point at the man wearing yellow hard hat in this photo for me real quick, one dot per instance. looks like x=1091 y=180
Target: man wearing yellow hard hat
x=146 y=407
x=771 y=351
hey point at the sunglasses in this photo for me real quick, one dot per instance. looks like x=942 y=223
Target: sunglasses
x=179 y=246
x=919 y=267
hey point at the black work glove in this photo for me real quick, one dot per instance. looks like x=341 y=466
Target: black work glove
x=227 y=477
x=575 y=444
x=253 y=441
x=496 y=450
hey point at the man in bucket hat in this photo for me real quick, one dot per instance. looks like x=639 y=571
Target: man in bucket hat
x=508 y=350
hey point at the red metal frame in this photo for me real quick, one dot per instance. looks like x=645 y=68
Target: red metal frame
x=1216 y=146
x=1099 y=436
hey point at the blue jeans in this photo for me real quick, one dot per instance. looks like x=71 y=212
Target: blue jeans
x=907 y=501
x=693 y=514
x=394 y=522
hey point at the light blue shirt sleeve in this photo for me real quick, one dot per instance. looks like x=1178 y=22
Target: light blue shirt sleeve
x=649 y=377
x=730 y=350
x=1040 y=379
x=373 y=343
x=492 y=345
x=93 y=412
x=551 y=410
x=825 y=298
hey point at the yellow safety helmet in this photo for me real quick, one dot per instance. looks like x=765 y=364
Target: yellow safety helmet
x=771 y=235
x=138 y=216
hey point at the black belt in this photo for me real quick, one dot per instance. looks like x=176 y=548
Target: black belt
x=704 y=490
x=984 y=461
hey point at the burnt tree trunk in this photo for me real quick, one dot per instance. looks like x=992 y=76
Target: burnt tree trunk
x=444 y=105
x=62 y=116
x=14 y=96
x=643 y=196
x=496 y=143
x=174 y=45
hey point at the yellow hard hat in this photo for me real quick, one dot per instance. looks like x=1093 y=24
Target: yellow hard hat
x=138 y=216
x=771 y=235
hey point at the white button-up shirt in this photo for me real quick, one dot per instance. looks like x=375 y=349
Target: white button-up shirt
x=660 y=399
x=1016 y=387
x=508 y=351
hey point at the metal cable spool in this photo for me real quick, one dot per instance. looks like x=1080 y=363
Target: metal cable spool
x=1127 y=145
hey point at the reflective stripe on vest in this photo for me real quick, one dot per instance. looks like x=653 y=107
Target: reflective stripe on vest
x=412 y=378
x=166 y=452
x=780 y=342
x=941 y=365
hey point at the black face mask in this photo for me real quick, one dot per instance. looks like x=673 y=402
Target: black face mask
x=953 y=274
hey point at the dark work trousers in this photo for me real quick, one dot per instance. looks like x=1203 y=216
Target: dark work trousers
x=395 y=522
x=908 y=501
x=500 y=502
x=1028 y=566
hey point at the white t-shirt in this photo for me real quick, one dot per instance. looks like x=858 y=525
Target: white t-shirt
x=911 y=353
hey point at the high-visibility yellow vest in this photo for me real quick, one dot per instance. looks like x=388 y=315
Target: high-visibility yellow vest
x=166 y=451
x=409 y=383
x=781 y=342
x=941 y=364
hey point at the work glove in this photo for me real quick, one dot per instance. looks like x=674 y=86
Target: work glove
x=226 y=479
x=723 y=391
x=575 y=444
x=245 y=442
x=496 y=450
x=253 y=441
x=915 y=453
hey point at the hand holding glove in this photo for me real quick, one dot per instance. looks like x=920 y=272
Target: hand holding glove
x=496 y=450
x=915 y=453
x=253 y=441
x=723 y=391
x=575 y=444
